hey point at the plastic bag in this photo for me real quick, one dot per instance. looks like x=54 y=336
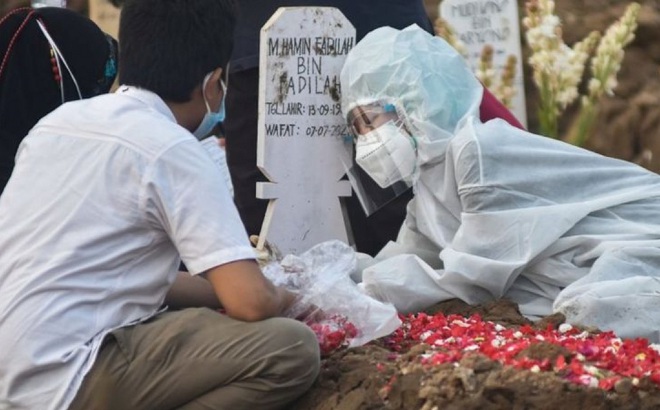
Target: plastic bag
x=321 y=279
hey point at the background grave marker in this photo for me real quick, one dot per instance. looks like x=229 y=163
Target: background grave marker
x=494 y=22
x=301 y=129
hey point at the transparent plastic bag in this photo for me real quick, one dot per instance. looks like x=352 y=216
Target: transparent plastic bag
x=328 y=300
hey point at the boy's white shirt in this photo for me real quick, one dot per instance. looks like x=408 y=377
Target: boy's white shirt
x=105 y=196
x=219 y=156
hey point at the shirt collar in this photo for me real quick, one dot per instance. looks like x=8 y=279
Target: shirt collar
x=149 y=98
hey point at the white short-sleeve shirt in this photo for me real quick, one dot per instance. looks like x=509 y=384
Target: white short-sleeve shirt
x=108 y=194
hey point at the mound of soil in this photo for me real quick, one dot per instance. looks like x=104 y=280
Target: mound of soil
x=372 y=377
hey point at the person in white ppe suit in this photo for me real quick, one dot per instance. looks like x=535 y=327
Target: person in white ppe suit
x=497 y=212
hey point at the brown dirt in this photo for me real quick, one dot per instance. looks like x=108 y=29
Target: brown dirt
x=370 y=377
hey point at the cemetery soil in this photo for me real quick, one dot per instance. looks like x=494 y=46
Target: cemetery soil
x=369 y=377
x=629 y=128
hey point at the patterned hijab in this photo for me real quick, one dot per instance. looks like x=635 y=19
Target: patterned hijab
x=47 y=56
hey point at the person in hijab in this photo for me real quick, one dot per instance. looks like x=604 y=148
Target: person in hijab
x=48 y=56
x=497 y=212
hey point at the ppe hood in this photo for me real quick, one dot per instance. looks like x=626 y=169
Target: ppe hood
x=426 y=79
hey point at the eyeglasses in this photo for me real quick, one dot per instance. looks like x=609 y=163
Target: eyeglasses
x=366 y=118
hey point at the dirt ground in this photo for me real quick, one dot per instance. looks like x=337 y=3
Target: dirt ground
x=371 y=377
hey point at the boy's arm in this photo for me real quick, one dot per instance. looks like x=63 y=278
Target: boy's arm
x=248 y=295
x=191 y=291
x=245 y=293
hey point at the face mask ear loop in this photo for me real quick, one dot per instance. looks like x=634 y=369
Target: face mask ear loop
x=224 y=93
x=226 y=75
x=413 y=140
x=402 y=125
x=59 y=56
x=206 y=80
x=405 y=123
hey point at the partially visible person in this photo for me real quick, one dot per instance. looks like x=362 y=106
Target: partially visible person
x=372 y=233
x=119 y=192
x=48 y=56
x=497 y=212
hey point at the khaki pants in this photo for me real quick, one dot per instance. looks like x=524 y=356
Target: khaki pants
x=199 y=359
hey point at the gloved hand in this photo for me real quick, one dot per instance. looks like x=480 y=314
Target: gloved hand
x=267 y=253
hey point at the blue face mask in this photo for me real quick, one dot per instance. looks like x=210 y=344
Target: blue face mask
x=211 y=119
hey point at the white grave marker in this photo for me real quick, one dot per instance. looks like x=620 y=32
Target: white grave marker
x=495 y=22
x=301 y=129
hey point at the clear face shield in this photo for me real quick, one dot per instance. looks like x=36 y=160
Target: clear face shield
x=383 y=155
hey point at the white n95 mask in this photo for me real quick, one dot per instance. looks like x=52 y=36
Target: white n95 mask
x=387 y=154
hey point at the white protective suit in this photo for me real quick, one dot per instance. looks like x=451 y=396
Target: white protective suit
x=502 y=213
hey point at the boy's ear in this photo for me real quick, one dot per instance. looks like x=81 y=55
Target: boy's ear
x=212 y=86
x=217 y=75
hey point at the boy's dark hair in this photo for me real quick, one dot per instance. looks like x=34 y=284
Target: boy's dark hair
x=168 y=46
